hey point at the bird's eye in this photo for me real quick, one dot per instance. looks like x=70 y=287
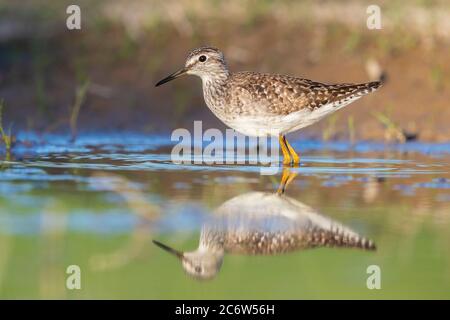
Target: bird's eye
x=202 y=58
x=198 y=269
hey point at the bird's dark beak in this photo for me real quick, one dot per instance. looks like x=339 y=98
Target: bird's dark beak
x=173 y=76
x=176 y=253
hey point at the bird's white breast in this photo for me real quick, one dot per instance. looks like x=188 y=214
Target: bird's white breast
x=274 y=125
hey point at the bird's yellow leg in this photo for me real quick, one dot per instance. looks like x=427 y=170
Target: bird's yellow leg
x=285 y=150
x=291 y=176
x=286 y=179
x=294 y=156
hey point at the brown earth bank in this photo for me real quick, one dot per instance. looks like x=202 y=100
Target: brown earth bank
x=40 y=74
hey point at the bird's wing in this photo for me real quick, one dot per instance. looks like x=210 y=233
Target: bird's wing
x=252 y=216
x=279 y=94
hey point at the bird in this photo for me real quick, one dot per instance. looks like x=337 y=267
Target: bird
x=262 y=223
x=261 y=104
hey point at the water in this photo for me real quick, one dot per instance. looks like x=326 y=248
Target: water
x=98 y=203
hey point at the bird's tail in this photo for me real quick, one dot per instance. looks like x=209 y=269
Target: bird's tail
x=372 y=86
x=341 y=238
x=343 y=94
x=364 y=88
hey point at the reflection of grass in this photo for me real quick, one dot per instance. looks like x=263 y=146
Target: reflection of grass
x=140 y=236
x=79 y=99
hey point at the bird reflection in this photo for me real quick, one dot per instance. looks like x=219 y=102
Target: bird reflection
x=262 y=223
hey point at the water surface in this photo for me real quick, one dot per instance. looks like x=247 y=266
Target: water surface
x=99 y=202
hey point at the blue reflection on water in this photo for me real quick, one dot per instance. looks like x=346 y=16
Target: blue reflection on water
x=31 y=142
x=187 y=218
x=50 y=158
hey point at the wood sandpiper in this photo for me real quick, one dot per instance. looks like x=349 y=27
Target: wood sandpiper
x=263 y=223
x=258 y=104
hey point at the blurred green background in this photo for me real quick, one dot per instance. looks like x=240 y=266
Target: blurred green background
x=124 y=47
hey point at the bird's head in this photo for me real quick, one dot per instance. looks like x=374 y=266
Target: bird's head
x=201 y=264
x=205 y=62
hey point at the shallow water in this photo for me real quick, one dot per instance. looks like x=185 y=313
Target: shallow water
x=99 y=202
